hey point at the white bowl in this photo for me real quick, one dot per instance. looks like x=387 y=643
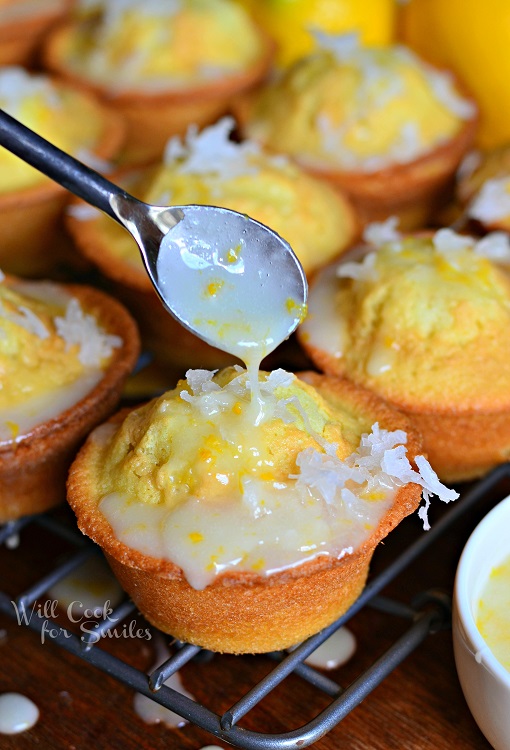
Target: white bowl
x=484 y=680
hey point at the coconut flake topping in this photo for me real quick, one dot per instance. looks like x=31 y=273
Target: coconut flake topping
x=25 y=318
x=363 y=270
x=494 y=246
x=443 y=85
x=381 y=232
x=211 y=152
x=380 y=462
x=347 y=48
x=78 y=328
x=342 y=46
x=492 y=202
x=210 y=398
x=17 y=85
x=451 y=245
x=381 y=82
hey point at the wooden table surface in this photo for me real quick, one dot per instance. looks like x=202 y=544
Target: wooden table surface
x=420 y=705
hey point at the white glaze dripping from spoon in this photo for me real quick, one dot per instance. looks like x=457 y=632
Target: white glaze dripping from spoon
x=263 y=291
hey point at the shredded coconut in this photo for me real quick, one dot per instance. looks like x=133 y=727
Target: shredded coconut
x=25 y=318
x=408 y=145
x=343 y=46
x=207 y=396
x=78 y=328
x=211 y=151
x=379 y=462
x=277 y=379
x=82 y=211
x=332 y=136
x=450 y=244
x=494 y=246
x=380 y=232
x=443 y=85
x=210 y=398
x=17 y=85
x=201 y=381
x=446 y=241
x=492 y=202
x=363 y=270
x=381 y=82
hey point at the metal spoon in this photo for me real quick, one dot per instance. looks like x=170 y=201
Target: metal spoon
x=215 y=270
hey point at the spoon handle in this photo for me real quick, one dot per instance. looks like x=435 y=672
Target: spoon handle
x=61 y=167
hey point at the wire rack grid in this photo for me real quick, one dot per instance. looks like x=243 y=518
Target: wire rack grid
x=429 y=612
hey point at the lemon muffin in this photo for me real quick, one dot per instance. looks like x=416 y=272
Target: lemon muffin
x=246 y=525
x=483 y=188
x=23 y=24
x=31 y=204
x=65 y=352
x=208 y=168
x=424 y=321
x=141 y=58
x=379 y=123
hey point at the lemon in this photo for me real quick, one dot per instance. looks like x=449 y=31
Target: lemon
x=289 y=22
x=472 y=38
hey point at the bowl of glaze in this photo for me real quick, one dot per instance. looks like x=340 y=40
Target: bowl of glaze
x=484 y=680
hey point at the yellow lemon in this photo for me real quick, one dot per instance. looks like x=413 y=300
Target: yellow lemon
x=472 y=38
x=289 y=22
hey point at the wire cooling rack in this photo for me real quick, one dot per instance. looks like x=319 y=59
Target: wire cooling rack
x=428 y=613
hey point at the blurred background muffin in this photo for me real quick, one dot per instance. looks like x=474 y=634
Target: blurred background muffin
x=141 y=59
x=208 y=168
x=32 y=242
x=23 y=25
x=65 y=354
x=424 y=322
x=379 y=123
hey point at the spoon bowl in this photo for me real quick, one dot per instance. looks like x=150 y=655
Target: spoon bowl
x=229 y=279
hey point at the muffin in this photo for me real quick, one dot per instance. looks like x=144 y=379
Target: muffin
x=379 y=123
x=140 y=58
x=65 y=353
x=23 y=24
x=247 y=525
x=483 y=188
x=32 y=240
x=424 y=321
x=208 y=168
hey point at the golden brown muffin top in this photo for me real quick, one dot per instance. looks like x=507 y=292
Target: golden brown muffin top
x=125 y=44
x=208 y=168
x=358 y=109
x=421 y=320
x=214 y=481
